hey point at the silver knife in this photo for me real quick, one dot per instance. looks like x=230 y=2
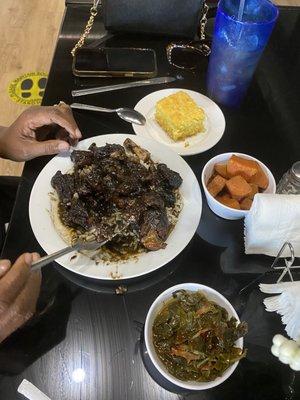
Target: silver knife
x=101 y=89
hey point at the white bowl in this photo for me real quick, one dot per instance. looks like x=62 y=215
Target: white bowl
x=218 y=208
x=156 y=306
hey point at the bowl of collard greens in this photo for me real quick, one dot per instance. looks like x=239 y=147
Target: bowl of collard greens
x=194 y=336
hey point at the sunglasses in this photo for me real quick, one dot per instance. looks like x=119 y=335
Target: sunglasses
x=186 y=55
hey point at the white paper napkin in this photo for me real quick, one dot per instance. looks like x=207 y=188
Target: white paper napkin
x=30 y=391
x=287 y=304
x=272 y=220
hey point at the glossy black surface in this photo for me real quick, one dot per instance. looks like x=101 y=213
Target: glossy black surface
x=85 y=324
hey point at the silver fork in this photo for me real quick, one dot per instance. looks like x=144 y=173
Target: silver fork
x=94 y=245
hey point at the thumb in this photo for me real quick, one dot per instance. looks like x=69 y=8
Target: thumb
x=4 y=267
x=47 y=148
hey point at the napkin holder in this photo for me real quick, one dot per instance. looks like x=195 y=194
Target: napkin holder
x=286 y=295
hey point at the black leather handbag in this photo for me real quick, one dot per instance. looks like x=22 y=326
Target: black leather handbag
x=181 y=18
x=161 y=17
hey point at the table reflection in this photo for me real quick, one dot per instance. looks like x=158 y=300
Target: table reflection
x=45 y=331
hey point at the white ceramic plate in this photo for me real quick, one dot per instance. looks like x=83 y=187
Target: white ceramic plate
x=183 y=232
x=156 y=306
x=214 y=123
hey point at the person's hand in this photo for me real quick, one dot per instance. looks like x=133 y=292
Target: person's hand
x=19 y=292
x=25 y=138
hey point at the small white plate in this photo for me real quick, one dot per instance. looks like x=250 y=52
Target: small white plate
x=214 y=123
x=50 y=241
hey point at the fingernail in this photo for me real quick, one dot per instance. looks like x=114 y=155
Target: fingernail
x=4 y=266
x=78 y=133
x=28 y=258
x=64 y=146
x=35 y=256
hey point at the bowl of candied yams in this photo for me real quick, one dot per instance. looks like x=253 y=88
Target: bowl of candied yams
x=230 y=182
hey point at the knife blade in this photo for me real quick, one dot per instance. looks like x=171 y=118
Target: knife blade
x=101 y=89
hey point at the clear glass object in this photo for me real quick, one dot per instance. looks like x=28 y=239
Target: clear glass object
x=290 y=182
x=237 y=47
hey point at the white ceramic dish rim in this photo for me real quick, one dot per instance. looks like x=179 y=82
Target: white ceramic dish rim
x=153 y=310
x=229 y=154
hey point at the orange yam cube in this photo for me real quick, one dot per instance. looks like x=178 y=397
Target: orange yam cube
x=254 y=188
x=238 y=187
x=221 y=169
x=260 y=178
x=216 y=185
x=240 y=166
x=228 y=201
x=214 y=174
x=246 y=204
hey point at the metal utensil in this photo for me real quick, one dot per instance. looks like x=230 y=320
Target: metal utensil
x=109 y=88
x=128 y=114
x=76 y=247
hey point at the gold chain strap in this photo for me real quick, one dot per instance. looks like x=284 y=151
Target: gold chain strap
x=89 y=25
x=203 y=21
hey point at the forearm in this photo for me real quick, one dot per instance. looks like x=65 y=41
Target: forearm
x=2 y=142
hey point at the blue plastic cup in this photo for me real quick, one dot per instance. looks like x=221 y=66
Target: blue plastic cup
x=237 y=47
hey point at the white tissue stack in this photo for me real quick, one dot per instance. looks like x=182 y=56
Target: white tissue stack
x=272 y=220
x=287 y=304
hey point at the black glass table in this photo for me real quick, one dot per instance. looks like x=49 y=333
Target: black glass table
x=88 y=342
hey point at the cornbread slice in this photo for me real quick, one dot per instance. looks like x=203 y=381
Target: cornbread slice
x=179 y=116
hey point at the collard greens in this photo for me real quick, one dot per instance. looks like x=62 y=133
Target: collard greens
x=195 y=338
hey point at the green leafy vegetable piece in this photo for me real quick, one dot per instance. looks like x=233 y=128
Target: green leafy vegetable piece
x=194 y=337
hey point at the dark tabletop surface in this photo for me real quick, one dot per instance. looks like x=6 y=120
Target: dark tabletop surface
x=85 y=324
